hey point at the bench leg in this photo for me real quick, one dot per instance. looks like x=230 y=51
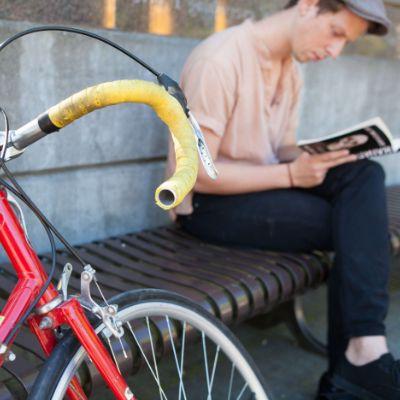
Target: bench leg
x=296 y=322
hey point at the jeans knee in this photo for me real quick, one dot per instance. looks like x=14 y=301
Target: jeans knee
x=374 y=169
x=360 y=172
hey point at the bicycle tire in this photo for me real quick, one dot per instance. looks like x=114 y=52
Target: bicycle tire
x=149 y=307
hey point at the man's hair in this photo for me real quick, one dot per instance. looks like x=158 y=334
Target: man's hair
x=324 y=5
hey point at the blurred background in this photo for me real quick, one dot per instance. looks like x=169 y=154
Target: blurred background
x=185 y=18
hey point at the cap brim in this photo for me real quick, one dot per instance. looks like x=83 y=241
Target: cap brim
x=377 y=28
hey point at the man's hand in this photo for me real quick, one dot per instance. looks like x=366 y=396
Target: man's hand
x=310 y=170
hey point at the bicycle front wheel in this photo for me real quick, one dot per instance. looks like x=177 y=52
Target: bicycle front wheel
x=172 y=349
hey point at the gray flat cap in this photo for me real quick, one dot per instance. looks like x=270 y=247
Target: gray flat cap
x=373 y=11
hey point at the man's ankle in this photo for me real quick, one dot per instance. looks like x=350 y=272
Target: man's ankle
x=365 y=349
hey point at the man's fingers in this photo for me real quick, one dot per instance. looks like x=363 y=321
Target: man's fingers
x=343 y=160
x=332 y=155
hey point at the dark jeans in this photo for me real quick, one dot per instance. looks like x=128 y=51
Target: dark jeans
x=346 y=214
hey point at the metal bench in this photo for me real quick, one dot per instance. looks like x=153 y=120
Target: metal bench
x=235 y=285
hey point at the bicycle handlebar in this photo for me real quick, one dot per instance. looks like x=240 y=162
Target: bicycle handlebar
x=170 y=193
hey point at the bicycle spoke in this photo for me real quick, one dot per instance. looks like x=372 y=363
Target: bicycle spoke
x=181 y=386
x=231 y=381
x=214 y=368
x=72 y=387
x=182 y=354
x=242 y=391
x=146 y=360
x=123 y=348
x=153 y=353
x=203 y=339
x=113 y=355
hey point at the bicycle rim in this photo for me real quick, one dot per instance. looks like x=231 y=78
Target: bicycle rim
x=181 y=352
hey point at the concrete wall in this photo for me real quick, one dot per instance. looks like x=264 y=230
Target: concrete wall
x=341 y=93
x=96 y=178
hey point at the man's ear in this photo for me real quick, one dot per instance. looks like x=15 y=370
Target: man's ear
x=307 y=6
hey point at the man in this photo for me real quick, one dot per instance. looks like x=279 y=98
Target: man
x=243 y=86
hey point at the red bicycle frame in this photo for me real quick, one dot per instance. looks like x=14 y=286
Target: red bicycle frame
x=31 y=278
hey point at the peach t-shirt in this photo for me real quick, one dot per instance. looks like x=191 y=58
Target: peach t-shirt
x=236 y=91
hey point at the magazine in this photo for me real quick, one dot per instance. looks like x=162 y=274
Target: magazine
x=368 y=139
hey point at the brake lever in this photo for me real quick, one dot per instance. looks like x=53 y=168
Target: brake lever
x=202 y=148
x=173 y=88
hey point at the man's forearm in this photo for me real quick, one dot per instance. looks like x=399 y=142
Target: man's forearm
x=236 y=178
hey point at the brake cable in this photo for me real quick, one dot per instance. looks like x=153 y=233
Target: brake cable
x=170 y=85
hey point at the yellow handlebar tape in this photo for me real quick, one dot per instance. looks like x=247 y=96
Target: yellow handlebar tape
x=170 y=193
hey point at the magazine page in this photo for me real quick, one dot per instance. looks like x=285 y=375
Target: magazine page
x=370 y=138
x=374 y=122
x=358 y=141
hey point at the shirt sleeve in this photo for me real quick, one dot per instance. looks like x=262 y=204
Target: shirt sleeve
x=210 y=90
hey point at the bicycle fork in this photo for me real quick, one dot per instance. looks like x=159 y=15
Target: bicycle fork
x=72 y=314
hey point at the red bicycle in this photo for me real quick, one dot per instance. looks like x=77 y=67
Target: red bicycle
x=76 y=332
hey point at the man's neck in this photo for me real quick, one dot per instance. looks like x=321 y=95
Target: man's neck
x=274 y=31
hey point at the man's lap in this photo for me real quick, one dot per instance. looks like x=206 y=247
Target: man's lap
x=285 y=219
x=278 y=220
